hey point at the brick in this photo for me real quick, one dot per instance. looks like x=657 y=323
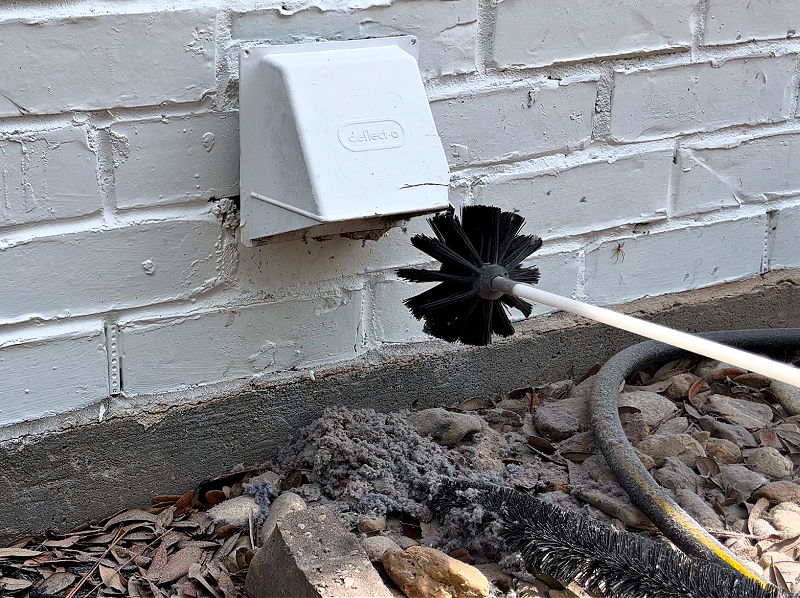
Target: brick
x=393 y=322
x=52 y=375
x=106 y=60
x=531 y=33
x=178 y=159
x=45 y=175
x=240 y=342
x=735 y=21
x=446 y=29
x=662 y=102
x=311 y=554
x=675 y=260
x=515 y=123
x=752 y=170
x=282 y=265
x=587 y=197
x=99 y=270
x=784 y=253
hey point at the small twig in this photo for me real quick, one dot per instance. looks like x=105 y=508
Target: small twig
x=730 y=534
x=120 y=534
x=547 y=457
x=252 y=527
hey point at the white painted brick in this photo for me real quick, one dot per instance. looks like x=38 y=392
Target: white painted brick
x=446 y=28
x=52 y=376
x=661 y=102
x=754 y=170
x=539 y=32
x=106 y=60
x=241 y=342
x=99 y=270
x=785 y=252
x=734 y=21
x=46 y=175
x=176 y=159
x=393 y=322
x=588 y=197
x=515 y=123
x=281 y=265
x=676 y=260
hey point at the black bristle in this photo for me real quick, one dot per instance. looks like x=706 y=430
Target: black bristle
x=454 y=310
x=568 y=546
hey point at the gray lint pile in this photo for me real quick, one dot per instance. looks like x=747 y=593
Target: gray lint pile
x=369 y=463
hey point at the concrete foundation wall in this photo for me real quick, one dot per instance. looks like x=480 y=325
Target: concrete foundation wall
x=652 y=144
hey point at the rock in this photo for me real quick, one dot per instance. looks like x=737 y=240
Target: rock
x=503 y=420
x=733 y=432
x=778 y=492
x=634 y=426
x=285 y=503
x=785 y=520
x=423 y=572
x=311 y=554
x=376 y=547
x=518 y=406
x=770 y=462
x=711 y=368
x=739 y=482
x=763 y=528
x=372 y=525
x=676 y=425
x=681 y=446
x=402 y=541
x=445 y=427
x=560 y=419
x=676 y=475
x=699 y=509
x=679 y=385
x=654 y=407
x=748 y=414
x=235 y=511
x=648 y=462
x=787 y=395
x=497 y=576
x=724 y=451
x=701 y=436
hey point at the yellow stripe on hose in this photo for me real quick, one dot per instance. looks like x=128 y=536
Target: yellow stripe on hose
x=691 y=527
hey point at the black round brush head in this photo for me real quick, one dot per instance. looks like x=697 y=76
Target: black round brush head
x=484 y=244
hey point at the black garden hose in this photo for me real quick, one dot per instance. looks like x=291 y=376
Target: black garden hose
x=609 y=436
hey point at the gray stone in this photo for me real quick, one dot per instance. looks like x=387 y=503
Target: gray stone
x=236 y=511
x=733 y=432
x=371 y=525
x=676 y=475
x=778 y=492
x=786 y=520
x=699 y=509
x=787 y=395
x=762 y=528
x=377 y=546
x=749 y=414
x=653 y=406
x=739 y=482
x=445 y=427
x=724 y=451
x=679 y=385
x=311 y=554
x=288 y=502
x=676 y=425
x=562 y=419
x=770 y=462
x=681 y=446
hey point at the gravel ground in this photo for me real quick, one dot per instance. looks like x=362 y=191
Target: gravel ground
x=723 y=441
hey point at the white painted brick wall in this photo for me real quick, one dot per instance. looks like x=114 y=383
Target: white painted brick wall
x=585 y=197
x=47 y=175
x=101 y=61
x=539 y=32
x=508 y=124
x=735 y=21
x=663 y=128
x=662 y=102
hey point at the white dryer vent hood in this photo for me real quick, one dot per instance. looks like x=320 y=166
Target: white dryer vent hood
x=336 y=138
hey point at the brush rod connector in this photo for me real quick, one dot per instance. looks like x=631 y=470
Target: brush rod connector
x=483 y=282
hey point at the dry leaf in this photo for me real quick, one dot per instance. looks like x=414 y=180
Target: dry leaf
x=158 y=563
x=12 y=584
x=707 y=467
x=755 y=514
x=57 y=582
x=18 y=553
x=113 y=579
x=178 y=564
x=224 y=581
x=728 y=373
x=184 y=502
x=214 y=497
x=132 y=515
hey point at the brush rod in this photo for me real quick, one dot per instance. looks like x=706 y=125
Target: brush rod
x=754 y=363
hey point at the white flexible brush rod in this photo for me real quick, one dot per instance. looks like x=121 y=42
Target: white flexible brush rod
x=748 y=361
